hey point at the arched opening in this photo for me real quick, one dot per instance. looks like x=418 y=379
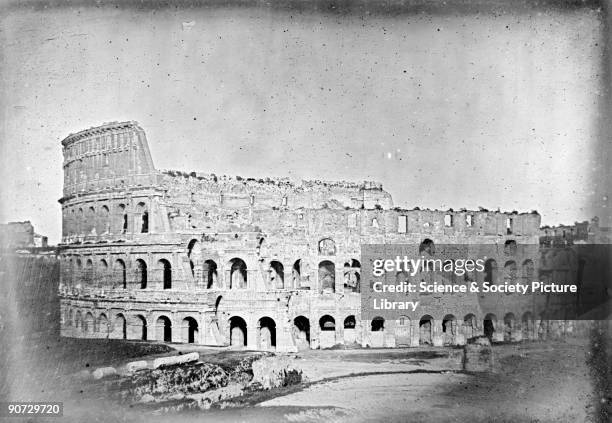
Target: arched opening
x=327 y=247
x=528 y=271
x=143 y=216
x=426 y=330
x=210 y=274
x=510 y=247
x=237 y=274
x=490 y=271
x=350 y=322
x=403 y=331
x=88 y=277
x=121 y=273
x=296 y=273
x=352 y=276
x=528 y=326
x=277 y=275
x=88 y=324
x=489 y=323
x=166 y=270
x=378 y=324
x=119 y=327
x=327 y=323
x=449 y=329
x=327 y=335
x=301 y=327
x=91 y=221
x=238 y=332
x=141 y=273
x=469 y=326
x=163 y=329
x=138 y=328
x=509 y=323
x=104 y=224
x=103 y=326
x=194 y=253
x=427 y=246
x=102 y=276
x=190 y=330
x=122 y=219
x=267 y=334
x=327 y=276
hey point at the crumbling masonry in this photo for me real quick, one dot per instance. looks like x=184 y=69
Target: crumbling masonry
x=255 y=263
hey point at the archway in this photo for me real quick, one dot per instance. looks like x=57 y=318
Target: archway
x=267 y=334
x=238 y=332
x=449 y=329
x=237 y=274
x=350 y=335
x=509 y=324
x=88 y=324
x=277 y=275
x=528 y=326
x=469 y=326
x=377 y=330
x=138 y=328
x=327 y=325
x=190 y=330
x=352 y=276
x=121 y=273
x=327 y=276
x=163 y=328
x=103 y=326
x=210 y=274
x=166 y=269
x=426 y=330
x=296 y=273
x=490 y=271
x=301 y=327
x=489 y=323
x=141 y=273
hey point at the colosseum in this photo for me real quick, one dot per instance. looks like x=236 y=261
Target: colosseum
x=267 y=264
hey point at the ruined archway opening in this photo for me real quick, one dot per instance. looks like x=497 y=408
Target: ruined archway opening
x=327 y=323
x=164 y=329
x=426 y=330
x=238 y=332
x=469 y=326
x=190 y=330
x=267 y=333
x=449 y=329
x=509 y=324
x=378 y=324
x=489 y=323
x=277 y=275
x=166 y=270
x=210 y=274
x=302 y=327
x=237 y=274
x=141 y=273
x=327 y=277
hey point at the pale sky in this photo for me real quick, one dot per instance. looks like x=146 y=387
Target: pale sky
x=446 y=110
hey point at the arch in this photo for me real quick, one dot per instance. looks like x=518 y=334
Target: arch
x=352 y=276
x=143 y=218
x=509 y=326
x=210 y=274
x=510 y=247
x=138 y=328
x=277 y=274
x=122 y=222
x=103 y=326
x=350 y=322
x=70 y=320
x=427 y=246
x=403 y=331
x=426 y=325
x=89 y=326
x=449 y=329
x=327 y=276
x=266 y=333
x=238 y=331
x=296 y=274
x=237 y=273
x=490 y=271
x=103 y=273
x=166 y=269
x=163 y=329
x=141 y=273
x=327 y=323
x=327 y=247
x=119 y=327
x=469 y=326
x=301 y=329
x=194 y=253
x=89 y=269
x=377 y=324
x=104 y=223
x=190 y=330
x=121 y=273
x=489 y=324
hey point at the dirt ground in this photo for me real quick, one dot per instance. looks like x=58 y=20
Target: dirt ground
x=553 y=381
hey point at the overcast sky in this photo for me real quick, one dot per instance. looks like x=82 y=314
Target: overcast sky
x=448 y=110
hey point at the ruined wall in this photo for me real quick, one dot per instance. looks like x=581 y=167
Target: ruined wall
x=226 y=260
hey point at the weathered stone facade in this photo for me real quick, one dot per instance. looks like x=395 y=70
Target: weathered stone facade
x=261 y=263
